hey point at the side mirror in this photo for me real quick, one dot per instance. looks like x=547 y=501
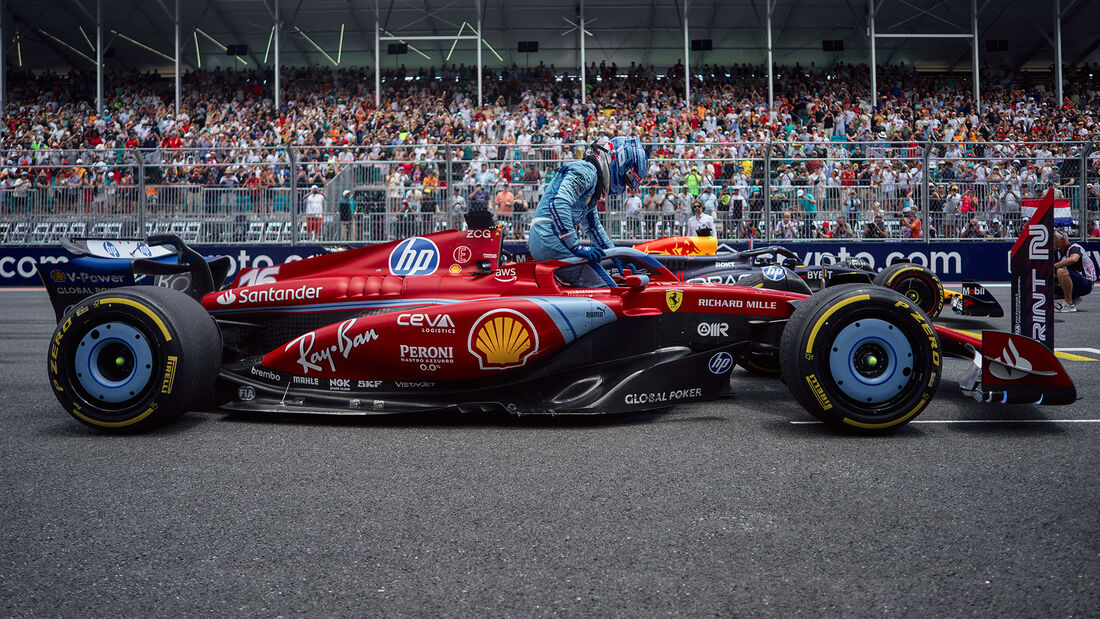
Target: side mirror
x=635 y=281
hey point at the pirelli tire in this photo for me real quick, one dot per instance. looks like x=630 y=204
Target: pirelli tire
x=861 y=358
x=133 y=358
x=915 y=282
x=761 y=363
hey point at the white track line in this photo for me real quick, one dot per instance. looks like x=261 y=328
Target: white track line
x=1095 y=351
x=946 y=421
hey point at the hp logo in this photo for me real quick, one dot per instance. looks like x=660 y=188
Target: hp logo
x=720 y=363
x=110 y=248
x=415 y=256
x=774 y=273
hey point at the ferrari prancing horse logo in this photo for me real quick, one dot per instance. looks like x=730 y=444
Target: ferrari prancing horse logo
x=674 y=298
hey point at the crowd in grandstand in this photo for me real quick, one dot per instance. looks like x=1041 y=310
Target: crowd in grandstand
x=838 y=165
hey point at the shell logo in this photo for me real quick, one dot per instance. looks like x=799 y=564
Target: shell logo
x=503 y=339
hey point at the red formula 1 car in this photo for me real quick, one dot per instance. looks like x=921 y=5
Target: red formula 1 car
x=434 y=322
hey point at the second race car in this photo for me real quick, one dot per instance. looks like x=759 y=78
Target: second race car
x=696 y=259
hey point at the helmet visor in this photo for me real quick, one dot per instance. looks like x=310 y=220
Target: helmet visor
x=631 y=180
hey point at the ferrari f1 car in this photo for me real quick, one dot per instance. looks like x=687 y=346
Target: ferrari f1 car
x=436 y=323
x=696 y=259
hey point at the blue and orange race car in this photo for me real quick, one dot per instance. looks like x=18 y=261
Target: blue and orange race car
x=697 y=259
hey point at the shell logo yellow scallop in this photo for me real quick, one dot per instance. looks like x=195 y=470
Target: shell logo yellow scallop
x=503 y=339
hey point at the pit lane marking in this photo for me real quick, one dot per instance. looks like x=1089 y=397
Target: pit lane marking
x=961 y=421
x=1061 y=353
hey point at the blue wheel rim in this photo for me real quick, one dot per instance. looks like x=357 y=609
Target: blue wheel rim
x=113 y=362
x=871 y=361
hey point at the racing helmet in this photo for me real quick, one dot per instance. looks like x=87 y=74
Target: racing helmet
x=621 y=163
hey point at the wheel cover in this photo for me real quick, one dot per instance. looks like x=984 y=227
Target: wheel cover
x=917 y=290
x=871 y=361
x=113 y=363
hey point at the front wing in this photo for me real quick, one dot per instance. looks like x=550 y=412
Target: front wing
x=973 y=300
x=1008 y=368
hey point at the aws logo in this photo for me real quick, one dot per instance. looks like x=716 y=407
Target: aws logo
x=502 y=339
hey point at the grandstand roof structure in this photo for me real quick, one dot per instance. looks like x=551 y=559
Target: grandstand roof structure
x=140 y=34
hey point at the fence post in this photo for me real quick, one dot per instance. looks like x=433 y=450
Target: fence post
x=293 y=202
x=446 y=195
x=768 y=191
x=1082 y=191
x=142 y=198
x=925 y=190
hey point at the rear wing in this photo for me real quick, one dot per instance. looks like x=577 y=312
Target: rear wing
x=102 y=264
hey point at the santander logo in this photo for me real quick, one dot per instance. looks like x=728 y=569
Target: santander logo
x=1010 y=365
x=226 y=298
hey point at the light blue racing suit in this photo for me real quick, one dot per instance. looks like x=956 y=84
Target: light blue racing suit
x=566 y=203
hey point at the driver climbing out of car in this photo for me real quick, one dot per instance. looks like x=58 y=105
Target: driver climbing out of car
x=609 y=167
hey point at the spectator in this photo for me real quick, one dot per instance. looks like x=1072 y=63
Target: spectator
x=852 y=207
x=634 y=216
x=503 y=200
x=995 y=230
x=875 y=229
x=910 y=224
x=1074 y=272
x=315 y=211
x=479 y=200
x=974 y=230
x=700 y=223
x=708 y=200
x=787 y=227
x=841 y=229
x=347 y=216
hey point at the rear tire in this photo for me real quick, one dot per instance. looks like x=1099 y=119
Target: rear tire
x=861 y=358
x=918 y=284
x=133 y=358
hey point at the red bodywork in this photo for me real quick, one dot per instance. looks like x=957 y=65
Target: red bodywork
x=442 y=308
x=460 y=316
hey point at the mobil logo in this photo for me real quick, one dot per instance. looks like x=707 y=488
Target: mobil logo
x=415 y=256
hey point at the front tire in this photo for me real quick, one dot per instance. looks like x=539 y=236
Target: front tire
x=918 y=284
x=763 y=364
x=862 y=358
x=133 y=358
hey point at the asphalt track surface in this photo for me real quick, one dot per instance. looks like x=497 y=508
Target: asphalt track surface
x=731 y=508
